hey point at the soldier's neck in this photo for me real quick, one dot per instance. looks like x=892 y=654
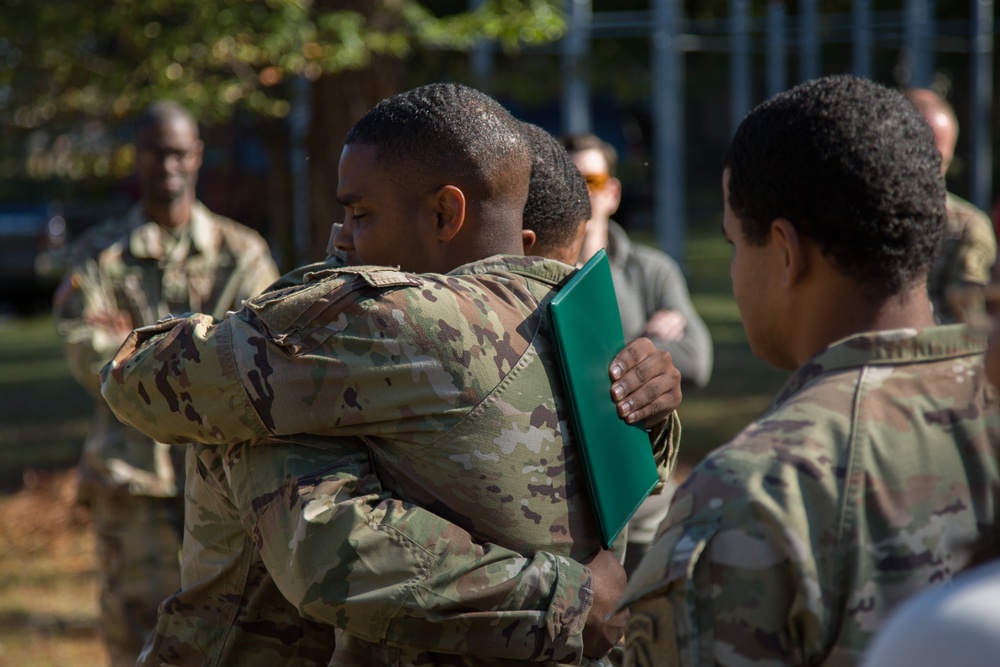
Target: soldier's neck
x=172 y=215
x=595 y=239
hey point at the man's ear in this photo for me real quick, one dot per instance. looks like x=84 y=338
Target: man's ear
x=528 y=238
x=449 y=204
x=198 y=152
x=614 y=189
x=792 y=251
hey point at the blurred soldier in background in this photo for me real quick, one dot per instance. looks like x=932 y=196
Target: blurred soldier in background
x=652 y=297
x=166 y=256
x=652 y=293
x=969 y=247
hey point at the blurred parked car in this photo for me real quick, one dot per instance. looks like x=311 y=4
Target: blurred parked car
x=32 y=239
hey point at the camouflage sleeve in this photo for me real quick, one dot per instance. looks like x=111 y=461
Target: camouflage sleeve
x=87 y=347
x=385 y=571
x=298 y=275
x=731 y=579
x=145 y=387
x=977 y=251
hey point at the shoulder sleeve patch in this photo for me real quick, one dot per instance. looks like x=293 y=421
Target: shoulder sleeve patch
x=303 y=316
x=671 y=560
x=651 y=635
x=380 y=276
x=279 y=309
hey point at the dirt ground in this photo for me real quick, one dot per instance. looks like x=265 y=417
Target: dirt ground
x=48 y=587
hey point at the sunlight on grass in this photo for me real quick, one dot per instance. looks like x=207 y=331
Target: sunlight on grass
x=43 y=411
x=48 y=586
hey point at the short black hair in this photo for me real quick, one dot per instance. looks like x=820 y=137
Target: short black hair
x=582 y=141
x=853 y=165
x=558 y=202
x=448 y=133
x=161 y=112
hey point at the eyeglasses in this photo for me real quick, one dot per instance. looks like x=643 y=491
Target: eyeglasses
x=156 y=156
x=596 y=182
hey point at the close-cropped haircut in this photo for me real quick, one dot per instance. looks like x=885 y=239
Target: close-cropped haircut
x=558 y=202
x=853 y=165
x=162 y=112
x=575 y=143
x=447 y=133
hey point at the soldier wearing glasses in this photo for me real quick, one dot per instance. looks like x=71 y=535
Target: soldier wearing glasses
x=652 y=297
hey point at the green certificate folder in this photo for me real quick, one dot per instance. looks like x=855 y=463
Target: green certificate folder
x=618 y=458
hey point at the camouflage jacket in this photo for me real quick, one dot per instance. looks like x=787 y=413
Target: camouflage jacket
x=450 y=384
x=131 y=266
x=967 y=253
x=873 y=475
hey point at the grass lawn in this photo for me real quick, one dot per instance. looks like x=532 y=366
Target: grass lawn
x=48 y=605
x=43 y=412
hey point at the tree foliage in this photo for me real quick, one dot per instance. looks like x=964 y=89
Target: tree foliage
x=109 y=58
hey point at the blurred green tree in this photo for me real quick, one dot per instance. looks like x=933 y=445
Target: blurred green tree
x=65 y=61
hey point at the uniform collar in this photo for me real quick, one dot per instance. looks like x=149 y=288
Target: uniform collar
x=541 y=269
x=885 y=348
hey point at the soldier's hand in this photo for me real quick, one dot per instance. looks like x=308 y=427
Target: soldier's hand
x=602 y=629
x=117 y=324
x=646 y=386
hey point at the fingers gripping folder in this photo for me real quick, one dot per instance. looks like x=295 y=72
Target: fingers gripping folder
x=619 y=462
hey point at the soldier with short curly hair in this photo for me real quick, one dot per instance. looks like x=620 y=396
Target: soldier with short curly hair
x=874 y=472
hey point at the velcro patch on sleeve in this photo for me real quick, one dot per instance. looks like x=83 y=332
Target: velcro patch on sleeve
x=380 y=276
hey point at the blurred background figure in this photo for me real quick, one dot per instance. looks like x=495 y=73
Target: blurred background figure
x=167 y=255
x=969 y=247
x=652 y=293
x=652 y=297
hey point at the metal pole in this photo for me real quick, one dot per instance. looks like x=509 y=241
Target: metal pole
x=482 y=61
x=668 y=115
x=863 y=38
x=739 y=62
x=808 y=40
x=776 y=47
x=575 y=74
x=915 y=43
x=299 y=120
x=981 y=172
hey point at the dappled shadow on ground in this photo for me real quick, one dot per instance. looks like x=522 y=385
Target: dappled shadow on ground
x=49 y=625
x=48 y=586
x=43 y=513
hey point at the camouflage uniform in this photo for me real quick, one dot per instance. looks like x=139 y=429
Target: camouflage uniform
x=448 y=383
x=873 y=475
x=966 y=256
x=133 y=266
